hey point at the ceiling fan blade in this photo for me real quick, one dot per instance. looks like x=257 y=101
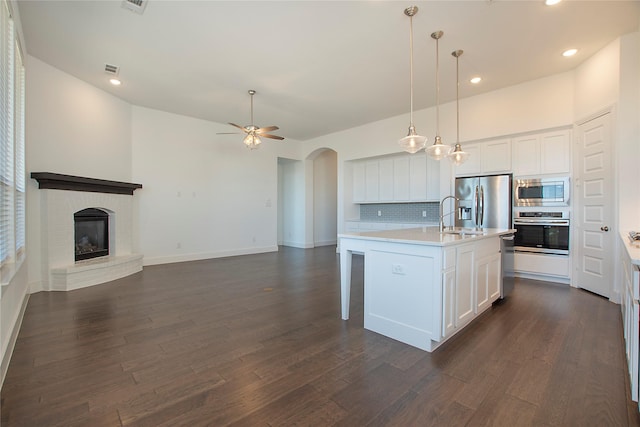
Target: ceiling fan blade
x=266 y=135
x=267 y=129
x=239 y=127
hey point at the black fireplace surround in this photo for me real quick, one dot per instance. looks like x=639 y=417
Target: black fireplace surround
x=91 y=233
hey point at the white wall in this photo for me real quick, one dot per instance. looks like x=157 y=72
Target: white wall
x=204 y=195
x=72 y=128
x=292 y=208
x=325 y=193
x=597 y=82
x=628 y=133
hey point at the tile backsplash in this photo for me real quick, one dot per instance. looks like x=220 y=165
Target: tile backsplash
x=400 y=212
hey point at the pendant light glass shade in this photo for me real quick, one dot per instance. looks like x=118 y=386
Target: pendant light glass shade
x=458 y=156
x=412 y=143
x=438 y=150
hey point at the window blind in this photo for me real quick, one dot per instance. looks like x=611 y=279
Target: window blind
x=12 y=141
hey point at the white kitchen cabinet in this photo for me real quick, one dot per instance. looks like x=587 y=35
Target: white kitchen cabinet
x=630 y=315
x=485 y=158
x=555 y=152
x=359 y=182
x=542 y=153
x=372 y=180
x=396 y=179
x=401 y=179
x=418 y=177
x=495 y=156
x=487 y=271
x=471 y=278
x=386 y=180
x=464 y=309
x=433 y=180
x=448 y=302
x=473 y=165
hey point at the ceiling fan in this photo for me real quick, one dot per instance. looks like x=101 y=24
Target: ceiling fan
x=254 y=133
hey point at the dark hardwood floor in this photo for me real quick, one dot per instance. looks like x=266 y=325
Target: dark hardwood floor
x=258 y=341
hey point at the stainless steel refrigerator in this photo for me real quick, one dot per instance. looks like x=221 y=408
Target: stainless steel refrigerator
x=484 y=201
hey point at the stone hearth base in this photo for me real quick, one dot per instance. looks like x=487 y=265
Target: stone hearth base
x=94 y=271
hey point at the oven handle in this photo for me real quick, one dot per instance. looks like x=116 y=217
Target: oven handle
x=560 y=222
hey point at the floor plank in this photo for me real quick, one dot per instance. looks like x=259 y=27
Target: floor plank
x=257 y=340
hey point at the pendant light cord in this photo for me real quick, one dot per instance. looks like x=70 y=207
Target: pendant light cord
x=457 y=100
x=437 y=87
x=411 y=68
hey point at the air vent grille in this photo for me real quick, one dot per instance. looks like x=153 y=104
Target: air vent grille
x=111 y=69
x=136 y=6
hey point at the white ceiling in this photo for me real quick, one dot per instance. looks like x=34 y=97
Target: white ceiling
x=317 y=66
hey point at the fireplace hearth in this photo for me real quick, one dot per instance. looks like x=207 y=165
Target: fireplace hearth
x=91 y=233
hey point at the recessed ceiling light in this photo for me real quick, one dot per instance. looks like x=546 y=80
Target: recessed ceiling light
x=551 y=2
x=115 y=82
x=476 y=80
x=569 y=52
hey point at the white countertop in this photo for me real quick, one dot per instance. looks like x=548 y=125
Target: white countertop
x=429 y=236
x=633 y=249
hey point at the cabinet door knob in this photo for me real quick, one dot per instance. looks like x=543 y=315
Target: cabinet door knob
x=604 y=228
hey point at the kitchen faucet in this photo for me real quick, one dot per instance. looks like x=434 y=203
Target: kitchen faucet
x=442 y=215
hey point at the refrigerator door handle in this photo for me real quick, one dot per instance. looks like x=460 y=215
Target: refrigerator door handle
x=481 y=206
x=476 y=200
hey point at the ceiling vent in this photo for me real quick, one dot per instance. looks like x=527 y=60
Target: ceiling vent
x=136 y=6
x=111 y=69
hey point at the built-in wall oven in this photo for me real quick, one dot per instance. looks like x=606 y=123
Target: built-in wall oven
x=541 y=192
x=542 y=232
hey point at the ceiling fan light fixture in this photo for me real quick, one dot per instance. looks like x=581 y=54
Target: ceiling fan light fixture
x=412 y=143
x=252 y=141
x=437 y=150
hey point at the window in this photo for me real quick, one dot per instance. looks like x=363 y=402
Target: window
x=12 y=168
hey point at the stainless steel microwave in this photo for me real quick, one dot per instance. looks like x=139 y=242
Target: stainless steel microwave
x=541 y=192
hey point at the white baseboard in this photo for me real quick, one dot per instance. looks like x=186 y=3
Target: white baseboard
x=13 y=336
x=300 y=245
x=206 y=255
x=325 y=243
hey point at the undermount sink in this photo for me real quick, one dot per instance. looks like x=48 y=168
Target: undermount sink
x=463 y=231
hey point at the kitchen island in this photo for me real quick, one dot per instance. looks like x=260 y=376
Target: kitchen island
x=421 y=286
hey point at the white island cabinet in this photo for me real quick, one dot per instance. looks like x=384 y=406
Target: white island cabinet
x=422 y=286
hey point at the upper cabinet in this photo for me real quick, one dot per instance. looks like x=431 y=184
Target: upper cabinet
x=398 y=178
x=543 y=153
x=535 y=154
x=486 y=158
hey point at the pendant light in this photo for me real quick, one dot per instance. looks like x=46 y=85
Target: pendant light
x=412 y=143
x=457 y=156
x=438 y=150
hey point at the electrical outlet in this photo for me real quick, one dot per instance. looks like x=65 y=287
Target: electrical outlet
x=397 y=269
x=379 y=213
x=424 y=214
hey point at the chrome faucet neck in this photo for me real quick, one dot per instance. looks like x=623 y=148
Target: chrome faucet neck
x=442 y=215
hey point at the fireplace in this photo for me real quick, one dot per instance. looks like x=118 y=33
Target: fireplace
x=91 y=233
x=105 y=233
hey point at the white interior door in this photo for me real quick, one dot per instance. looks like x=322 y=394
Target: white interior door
x=593 y=207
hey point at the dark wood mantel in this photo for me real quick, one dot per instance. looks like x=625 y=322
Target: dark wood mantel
x=56 y=181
